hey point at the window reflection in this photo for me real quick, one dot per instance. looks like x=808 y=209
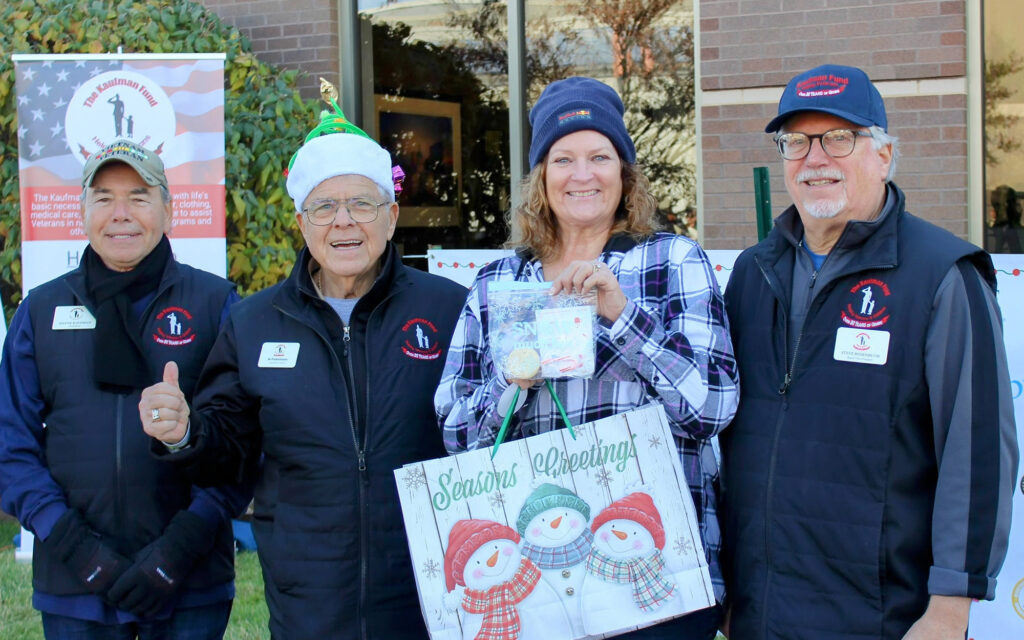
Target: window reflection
x=432 y=55
x=1004 y=127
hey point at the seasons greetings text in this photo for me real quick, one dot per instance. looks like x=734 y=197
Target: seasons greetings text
x=553 y=463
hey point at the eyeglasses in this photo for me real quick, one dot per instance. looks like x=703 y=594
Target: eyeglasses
x=323 y=212
x=837 y=143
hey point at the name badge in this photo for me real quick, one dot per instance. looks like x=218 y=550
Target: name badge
x=71 y=318
x=279 y=355
x=868 y=346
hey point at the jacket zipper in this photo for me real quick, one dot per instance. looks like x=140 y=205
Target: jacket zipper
x=364 y=570
x=118 y=464
x=788 y=378
x=360 y=449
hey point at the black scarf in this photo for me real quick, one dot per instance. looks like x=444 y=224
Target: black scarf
x=118 y=359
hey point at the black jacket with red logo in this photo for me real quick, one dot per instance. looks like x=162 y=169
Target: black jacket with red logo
x=334 y=410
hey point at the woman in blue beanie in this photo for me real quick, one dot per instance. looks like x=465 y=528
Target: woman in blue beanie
x=587 y=222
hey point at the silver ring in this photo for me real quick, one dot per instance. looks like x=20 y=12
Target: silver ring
x=597 y=265
x=156 y=415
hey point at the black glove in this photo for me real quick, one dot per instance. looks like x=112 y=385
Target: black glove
x=82 y=551
x=161 y=568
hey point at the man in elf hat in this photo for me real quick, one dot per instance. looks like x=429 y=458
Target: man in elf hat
x=124 y=545
x=329 y=378
x=868 y=474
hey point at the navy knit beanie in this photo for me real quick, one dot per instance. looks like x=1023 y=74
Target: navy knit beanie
x=575 y=104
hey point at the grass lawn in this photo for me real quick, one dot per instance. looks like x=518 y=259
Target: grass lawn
x=19 y=620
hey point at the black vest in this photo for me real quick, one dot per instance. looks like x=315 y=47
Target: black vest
x=829 y=485
x=95 y=447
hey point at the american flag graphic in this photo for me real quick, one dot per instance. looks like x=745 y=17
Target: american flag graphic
x=72 y=106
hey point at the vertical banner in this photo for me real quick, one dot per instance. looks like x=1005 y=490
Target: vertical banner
x=1003 y=617
x=71 y=106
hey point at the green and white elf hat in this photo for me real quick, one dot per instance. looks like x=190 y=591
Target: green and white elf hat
x=336 y=147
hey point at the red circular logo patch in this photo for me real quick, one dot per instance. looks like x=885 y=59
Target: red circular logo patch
x=866 y=307
x=174 y=327
x=421 y=341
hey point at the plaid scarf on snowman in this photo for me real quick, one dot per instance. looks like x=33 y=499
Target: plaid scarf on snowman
x=560 y=557
x=498 y=604
x=650 y=588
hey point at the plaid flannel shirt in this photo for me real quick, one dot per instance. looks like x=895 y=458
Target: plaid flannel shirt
x=498 y=604
x=670 y=345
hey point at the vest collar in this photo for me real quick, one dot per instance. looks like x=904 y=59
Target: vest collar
x=875 y=240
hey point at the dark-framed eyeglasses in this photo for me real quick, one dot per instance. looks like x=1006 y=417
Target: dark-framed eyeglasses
x=837 y=143
x=323 y=212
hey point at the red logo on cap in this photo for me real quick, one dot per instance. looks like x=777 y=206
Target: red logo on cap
x=823 y=85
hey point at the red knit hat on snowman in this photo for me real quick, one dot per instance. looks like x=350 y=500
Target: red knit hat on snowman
x=638 y=507
x=464 y=539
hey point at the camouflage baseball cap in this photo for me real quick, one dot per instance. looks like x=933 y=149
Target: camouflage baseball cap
x=145 y=162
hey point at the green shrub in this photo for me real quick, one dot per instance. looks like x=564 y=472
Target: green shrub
x=265 y=119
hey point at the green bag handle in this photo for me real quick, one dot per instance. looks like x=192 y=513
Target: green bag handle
x=508 y=416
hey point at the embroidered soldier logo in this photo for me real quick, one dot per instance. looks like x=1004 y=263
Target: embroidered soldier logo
x=174 y=327
x=421 y=340
x=866 y=305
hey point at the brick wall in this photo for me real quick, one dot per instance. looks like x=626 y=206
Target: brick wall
x=761 y=44
x=292 y=34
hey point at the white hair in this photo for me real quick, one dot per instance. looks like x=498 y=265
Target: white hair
x=879 y=139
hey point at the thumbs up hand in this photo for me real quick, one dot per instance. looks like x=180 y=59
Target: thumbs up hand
x=163 y=409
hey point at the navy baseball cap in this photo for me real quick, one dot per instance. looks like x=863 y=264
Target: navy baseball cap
x=845 y=92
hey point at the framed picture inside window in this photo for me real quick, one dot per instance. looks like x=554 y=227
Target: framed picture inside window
x=425 y=139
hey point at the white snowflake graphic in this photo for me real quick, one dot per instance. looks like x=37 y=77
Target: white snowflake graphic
x=683 y=546
x=655 y=441
x=431 y=568
x=414 y=478
x=497 y=499
x=604 y=478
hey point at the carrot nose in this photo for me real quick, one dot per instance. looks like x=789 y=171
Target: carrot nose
x=493 y=560
x=557 y=521
x=621 y=535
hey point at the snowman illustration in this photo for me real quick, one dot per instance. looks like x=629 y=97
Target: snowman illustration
x=556 y=537
x=625 y=584
x=502 y=596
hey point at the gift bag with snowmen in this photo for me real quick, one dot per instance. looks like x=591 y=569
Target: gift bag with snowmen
x=555 y=537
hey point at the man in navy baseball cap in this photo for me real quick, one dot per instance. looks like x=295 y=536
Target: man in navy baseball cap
x=869 y=470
